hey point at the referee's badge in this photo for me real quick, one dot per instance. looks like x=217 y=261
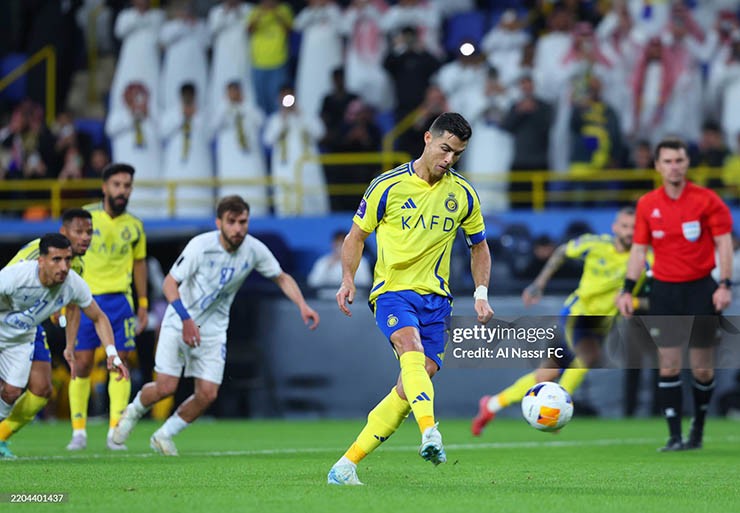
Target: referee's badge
x=691 y=230
x=451 y=203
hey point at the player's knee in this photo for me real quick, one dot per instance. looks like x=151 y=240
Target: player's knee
x=41 y=389
x=669 y=372
x=703 y=375
x=165 y=388
x=207 y=395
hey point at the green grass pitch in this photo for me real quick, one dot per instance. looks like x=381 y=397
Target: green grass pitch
x=281 y=466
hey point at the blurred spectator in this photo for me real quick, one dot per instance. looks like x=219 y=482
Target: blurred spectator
x=184 y=40
x=268 y=26
x=721 y=40
x=333 y=109
x=529 y=121
x=326 y=273
x=20 y=141
x=366 y=48
x=359 y=134
x=230 y=61
x=711 y=150
x=435 y=103
x=542 y=249
x=411 y=67
x=724 y=86
x=487 y=159
x=99 y=159
x=134 y=136
x=236 y=128
x=466 y=72
x=320 y=53
x=504 y=45
x=64 y=145
x=293 y=136
x=187 y=155
x=650 y=16
x=731 y=176
x=447 y=8
x=421 y=15
x=550 y=50
x=138 y=28
x=640 y=158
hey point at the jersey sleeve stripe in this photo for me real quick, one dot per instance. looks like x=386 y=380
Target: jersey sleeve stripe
x=436 y=273
x=376 y=287
x=386 y=176
x=465 y=183
x=383 y=200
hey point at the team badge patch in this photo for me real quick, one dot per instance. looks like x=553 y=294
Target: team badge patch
x=126 y=234
x=451 y=203
x=391 y=321
x=361 y=209
x=691 y=230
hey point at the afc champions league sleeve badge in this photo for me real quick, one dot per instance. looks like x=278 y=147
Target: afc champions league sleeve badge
x=451 y=203
x=361 y=209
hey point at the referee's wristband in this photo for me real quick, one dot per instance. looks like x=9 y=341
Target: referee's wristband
x=629 y=285
x=481 y=292
x=180 y=309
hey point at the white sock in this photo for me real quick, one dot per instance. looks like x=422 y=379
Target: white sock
x=137 y=408
x=172 y=426
x=82 y=432
x=493 y=405
x=4 y=409
x=344 y=460
x=110 y=431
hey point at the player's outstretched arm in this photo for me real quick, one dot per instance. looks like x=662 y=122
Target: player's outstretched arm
x=72 y=318
x=105 y=332
x=352 y=248
x=532 y=294
x=635 y=265
x=480 y=267
x=293 y=292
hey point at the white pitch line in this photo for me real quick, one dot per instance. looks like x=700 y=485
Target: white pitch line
x=607 y=442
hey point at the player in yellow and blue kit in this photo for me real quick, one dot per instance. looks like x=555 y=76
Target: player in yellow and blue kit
x=415 y=211
x=587 y=314
x=117 y=253
x=77 y=227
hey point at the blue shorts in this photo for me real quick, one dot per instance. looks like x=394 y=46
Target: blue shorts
x=579 y=327
x=430 y=314
x=122 y=320
x=41 y=351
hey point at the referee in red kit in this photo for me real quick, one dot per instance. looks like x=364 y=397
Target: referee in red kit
x=684 y=224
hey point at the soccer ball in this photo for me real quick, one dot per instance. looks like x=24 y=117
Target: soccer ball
x=547 y=406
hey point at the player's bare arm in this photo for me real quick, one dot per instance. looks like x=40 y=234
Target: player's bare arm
x=190 y=331
x=140 y=282
x=635 y=265
x=105 y=332
x=723 y=295
x=293 y=292
x=480 y=267
x=532 y=294
x=352 y=248
x=72 y=316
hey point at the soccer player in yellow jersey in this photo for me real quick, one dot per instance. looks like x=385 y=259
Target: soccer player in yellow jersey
x=587 y=313
x=117 y=252
x=415 y=211
x=77 y=227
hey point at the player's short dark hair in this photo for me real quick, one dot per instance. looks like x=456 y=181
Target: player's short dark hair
x=75 y=213
x=453 y=123
x=115 y=168
x=670 y=144
x=53 y=240
x=233 y=203
x=627 y=210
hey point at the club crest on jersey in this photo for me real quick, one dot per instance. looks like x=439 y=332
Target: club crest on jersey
x=451 y=203
x=691 y=230
x=126 y=234
x=391 y=321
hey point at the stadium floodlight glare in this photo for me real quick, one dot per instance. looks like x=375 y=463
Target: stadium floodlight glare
x=288 y=100
x=467 y=49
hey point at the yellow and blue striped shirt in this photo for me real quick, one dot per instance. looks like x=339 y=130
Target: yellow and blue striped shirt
x=415 y=225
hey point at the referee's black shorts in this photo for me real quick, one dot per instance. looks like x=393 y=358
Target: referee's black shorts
x=683 y=313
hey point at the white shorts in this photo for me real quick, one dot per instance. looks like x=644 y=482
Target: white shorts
x=206 y=361
x=15 y=363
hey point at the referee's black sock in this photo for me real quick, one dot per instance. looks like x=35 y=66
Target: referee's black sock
x=670 y=398
x=702 y=396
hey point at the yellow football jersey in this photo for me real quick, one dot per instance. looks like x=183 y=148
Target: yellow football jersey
x=415 y=225
x=116 y=243
x=604 y=269
x=31 y=252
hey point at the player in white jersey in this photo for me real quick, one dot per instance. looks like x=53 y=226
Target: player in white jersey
x=200 y=288
x=29 y=293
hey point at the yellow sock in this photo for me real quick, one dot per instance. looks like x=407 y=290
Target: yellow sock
x=515 y=392
x=382 y=422
x=24 y=411
x=79 y=395
x=573 y=376
x=418 y=388
x=119 y=393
